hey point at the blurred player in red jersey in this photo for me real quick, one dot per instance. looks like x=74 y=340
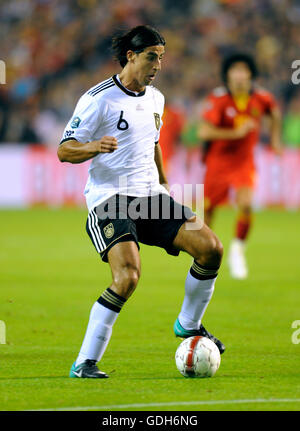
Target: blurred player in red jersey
x=173 y=123
x=230 y=129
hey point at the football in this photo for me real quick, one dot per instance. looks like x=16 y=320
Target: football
x=197 y=357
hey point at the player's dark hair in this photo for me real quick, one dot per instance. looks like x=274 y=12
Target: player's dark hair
x=235 y=58
x=137 y=39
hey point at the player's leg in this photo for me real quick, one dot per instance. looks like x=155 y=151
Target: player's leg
x=124 y=261
x=206 y=249
x=114 y=237
x=125 y=265
x=216 y=189
x=236 y=257
x=170 y=232
x=244 y=196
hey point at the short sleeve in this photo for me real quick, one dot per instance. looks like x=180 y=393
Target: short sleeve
x=84 y=121
x=158 y=132
x=212 y=110
x=269 y=102
x=158 y=121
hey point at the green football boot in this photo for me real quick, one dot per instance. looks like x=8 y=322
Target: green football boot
x=87 y=369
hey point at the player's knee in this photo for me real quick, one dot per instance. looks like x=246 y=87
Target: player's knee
x=216 y=251
x=213 y=252
x=245 y=208
x=126 y=280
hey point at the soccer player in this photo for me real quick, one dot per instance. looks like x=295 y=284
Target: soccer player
x=230 y=130
x=116 y=124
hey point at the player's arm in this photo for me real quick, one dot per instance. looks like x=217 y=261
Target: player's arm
x=159 y=163
x=73 y=151
x=209 y=132
x=275 y=130
x=78 y=143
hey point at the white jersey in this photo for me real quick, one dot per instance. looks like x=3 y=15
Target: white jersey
x=134 y=119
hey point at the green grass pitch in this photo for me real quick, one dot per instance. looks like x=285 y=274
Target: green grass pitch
x=51 y=275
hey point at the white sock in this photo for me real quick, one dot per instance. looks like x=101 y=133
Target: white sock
x=98 y=333
x=197 y=296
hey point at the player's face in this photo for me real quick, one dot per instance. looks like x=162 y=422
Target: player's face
x=148 y=63
x=239 y=76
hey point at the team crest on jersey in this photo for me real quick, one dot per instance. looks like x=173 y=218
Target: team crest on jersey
x=157 y=120
x=109 y=230
x=75 y=122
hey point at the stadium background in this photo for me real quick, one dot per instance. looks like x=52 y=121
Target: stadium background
x=54 y=51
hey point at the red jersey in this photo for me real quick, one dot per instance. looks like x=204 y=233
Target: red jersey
x=173 y=122
x=222 y=110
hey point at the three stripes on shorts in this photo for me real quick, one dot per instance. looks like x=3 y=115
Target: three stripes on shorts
x=95 y=232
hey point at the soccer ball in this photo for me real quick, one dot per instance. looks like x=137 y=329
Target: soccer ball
x=197 y=357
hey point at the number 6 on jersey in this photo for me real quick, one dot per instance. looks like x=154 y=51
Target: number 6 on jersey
x=122 y=123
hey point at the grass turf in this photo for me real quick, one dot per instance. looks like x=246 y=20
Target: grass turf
x=51 y=275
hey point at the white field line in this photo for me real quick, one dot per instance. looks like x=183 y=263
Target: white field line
x=174 y=403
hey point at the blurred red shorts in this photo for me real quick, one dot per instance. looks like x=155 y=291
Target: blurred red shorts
x=218 y=184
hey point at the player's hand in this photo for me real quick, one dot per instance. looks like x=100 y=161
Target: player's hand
x=107 y=144
x=245 y=128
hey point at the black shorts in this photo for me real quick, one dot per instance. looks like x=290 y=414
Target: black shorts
x=152 y=220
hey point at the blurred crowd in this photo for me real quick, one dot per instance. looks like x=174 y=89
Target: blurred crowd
x=55 y=50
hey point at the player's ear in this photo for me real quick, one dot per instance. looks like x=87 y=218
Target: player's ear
x=130 y=55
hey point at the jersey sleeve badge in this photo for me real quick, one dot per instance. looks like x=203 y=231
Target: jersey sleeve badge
x=75 y=122
x=157 y=120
